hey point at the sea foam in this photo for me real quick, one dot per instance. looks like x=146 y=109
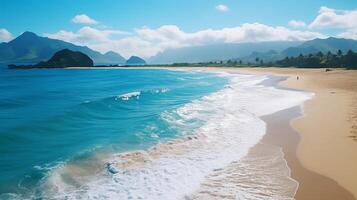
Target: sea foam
x=186 y=167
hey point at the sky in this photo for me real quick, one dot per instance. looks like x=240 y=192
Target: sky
x=147 y=27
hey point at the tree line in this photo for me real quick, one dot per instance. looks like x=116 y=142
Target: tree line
x=348 y=60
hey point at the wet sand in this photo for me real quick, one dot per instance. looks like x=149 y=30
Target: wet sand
x=324 y=157
x=328 y=127
x=312 y=186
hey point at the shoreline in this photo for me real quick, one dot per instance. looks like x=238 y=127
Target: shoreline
x=312 y=185
x=323 y=160
x=328 y=127
x=323 y=155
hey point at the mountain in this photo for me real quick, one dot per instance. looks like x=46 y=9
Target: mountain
x=324 y=45
x=61 y=59
x=135 y=60
x=67 y=58
x=217 y=52
x=114 y=57
x=30 y=48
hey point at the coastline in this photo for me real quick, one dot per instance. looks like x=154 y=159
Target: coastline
x=317 y=155
x=219 y=144
x=328 y=126
x=312 y=185
x=322 y=155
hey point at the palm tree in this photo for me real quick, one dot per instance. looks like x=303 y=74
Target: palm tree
x=256 y=60
x=339 y=53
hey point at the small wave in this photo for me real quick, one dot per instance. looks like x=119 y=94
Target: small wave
x=129 y=95
x=162 y=90
x=137 y=94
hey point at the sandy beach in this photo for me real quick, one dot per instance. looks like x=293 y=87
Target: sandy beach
x=328 y=127
x=327 y=143
x=319 y=144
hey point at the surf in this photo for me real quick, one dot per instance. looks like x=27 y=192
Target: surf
x=216 y=133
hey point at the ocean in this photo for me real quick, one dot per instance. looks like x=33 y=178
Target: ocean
x=137 y=134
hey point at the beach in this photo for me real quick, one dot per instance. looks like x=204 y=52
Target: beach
x=325 y=162
x=319 y=140
x=253 y=133
x=328 y=127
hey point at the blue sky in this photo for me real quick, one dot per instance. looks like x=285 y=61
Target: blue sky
x=189 y=16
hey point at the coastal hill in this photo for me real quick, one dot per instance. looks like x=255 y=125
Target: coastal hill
x=135 y=60
x=29 y=48
x=61 y=59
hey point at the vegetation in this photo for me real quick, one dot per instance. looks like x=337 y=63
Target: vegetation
x=317 y=60
x=348 y=60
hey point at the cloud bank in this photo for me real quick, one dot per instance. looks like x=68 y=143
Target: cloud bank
x=147 y=42
x=337 y=19
x=332 y=18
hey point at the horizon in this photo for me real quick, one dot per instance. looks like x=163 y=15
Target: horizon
x=104 y=27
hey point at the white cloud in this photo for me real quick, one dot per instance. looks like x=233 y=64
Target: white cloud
x=86 y=34
x=5 y=35
x=83 y=19
x=148 y=42
x=222 y=8
x=351 y=34
x=338 y=19
x=332 y=18
x=296 y=24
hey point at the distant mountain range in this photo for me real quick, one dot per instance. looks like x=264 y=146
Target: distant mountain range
x=248 y=52
x=324 y=45
x=29 y=48
x=216 y=52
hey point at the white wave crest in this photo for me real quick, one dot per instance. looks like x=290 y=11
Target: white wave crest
x=129 y=95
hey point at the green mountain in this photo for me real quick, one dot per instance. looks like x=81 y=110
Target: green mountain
x=30 y=48
x=324 y=45
x=135 y=60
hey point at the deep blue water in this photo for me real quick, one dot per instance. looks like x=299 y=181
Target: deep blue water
x=53 y=116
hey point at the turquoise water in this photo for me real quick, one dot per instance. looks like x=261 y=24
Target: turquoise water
x=52 y=117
